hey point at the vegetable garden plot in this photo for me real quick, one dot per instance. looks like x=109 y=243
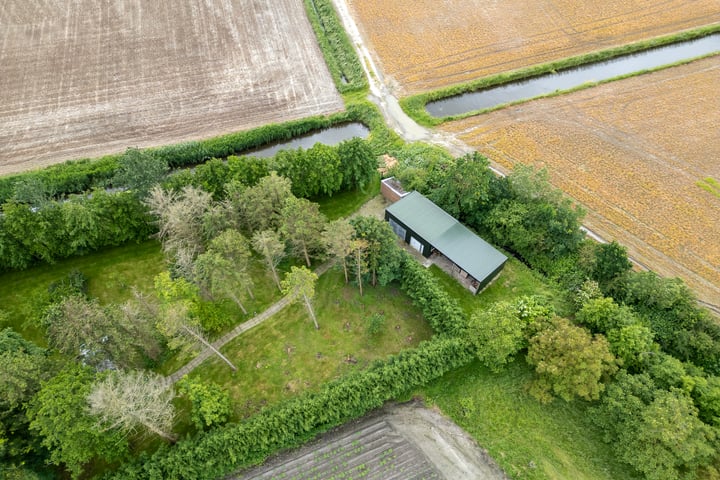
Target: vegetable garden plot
x=424 y=45
x=636 y=153
x=83 y=79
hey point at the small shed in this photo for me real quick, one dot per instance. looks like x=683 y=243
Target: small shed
x=431 y=230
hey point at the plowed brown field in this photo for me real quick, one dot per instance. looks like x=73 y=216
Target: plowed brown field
x=631 y=151
x=88 y=77
x=425 y=44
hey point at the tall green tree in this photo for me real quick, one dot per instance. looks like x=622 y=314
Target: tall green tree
x=269 y=244
x=139 y=171
x=302 y=226
x=261 y=205
x=358 y=163
x=59 y=415
x=464 y=188
x=182 y=330
x=500 y=331
x=338 y=238
x=299 y=284
x=383 y=256
x=569 y=362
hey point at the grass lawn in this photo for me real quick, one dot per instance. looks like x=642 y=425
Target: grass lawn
x=111 y=273
x=345 y=203
x=515 y=280
x=527 y=439
x=286 y=355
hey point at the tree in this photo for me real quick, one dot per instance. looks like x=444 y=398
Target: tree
x=464 y=190
x=174 y=322
x=358 y=249
x=219 y=276
x=299 y=283
x=302 y=226
x=656 y=431
x=631 y=344
x=23 y=368
x=569 y=362
x=611 y=264
x=102 y=337
x=81 y=225
x=261 y=205
x=180 y=223
x=32 y=191
x=224 y=267
x=358 y=163
x=603 y=314
x=383 y=257
x=210 y=402
x=128 y=400
x=269 y=244
x=211 y=177
x=23 y=365
x=500 y=331
x=139 y=171
x=338 y=241
x=58 y=413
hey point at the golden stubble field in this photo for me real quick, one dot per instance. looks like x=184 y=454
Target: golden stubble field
x=425 y=44
x=631 y=151
x=86 y=78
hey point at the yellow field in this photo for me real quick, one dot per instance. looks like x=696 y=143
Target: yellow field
x=633 y=152
x=425 y=44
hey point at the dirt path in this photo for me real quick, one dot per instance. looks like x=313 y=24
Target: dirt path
x=243 y=327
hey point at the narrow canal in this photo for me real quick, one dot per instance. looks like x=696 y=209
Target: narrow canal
x=574 y=77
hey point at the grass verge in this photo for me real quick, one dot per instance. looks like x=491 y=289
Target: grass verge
x=527 y=439
x=414 y=106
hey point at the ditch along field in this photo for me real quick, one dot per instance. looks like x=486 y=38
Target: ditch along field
x=425 y=45
x=642 y=154
x=86 y=78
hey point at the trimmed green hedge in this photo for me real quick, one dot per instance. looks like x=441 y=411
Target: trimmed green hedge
x=292 y=423
x=340 y=57
x=439 y=309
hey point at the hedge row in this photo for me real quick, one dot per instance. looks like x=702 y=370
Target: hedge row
x=340 y=57
x=60 y=230
x=439 y=309
x=222 y=451
x=82 y=175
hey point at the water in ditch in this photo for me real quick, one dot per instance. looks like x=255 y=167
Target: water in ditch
x=574 y=77
x=329 y=136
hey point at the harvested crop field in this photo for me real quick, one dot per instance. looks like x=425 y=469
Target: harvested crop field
x=398 y=442
x=424 y=45
x=638 y=154
x=86 y=78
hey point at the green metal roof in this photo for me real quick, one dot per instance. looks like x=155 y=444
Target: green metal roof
x=450 y=237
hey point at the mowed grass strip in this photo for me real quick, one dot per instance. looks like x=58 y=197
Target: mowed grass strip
x=111 y=275
x=527 y=439
x=285 y=355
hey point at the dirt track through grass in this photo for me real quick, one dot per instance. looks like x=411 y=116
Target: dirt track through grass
x=424 y=45
x=82 y=78
x=632 y=151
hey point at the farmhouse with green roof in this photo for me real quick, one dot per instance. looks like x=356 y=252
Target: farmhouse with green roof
x=432 y=231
